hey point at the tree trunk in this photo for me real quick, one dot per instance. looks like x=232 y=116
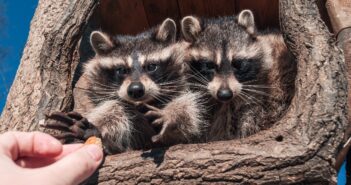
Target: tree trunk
x=300 y=148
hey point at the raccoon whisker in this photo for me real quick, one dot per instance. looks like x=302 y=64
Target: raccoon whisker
x=111 y=84
x=100 y=99
x=162 y=77
x=170 y=83
x=259 y=92
x=199 y=73
x=80 y=88
x=197 y=85
x=102 y=91
x=245 y=99
x=255 y=100
x=105 y=96
x=240 y=97
x=171 y=90
x=167 y=75
x=251 y=99
x=200 y=77
x=173 y=85
x=199 y=80
x=248 y=82
x=158 y=98
x=259 y=86
x=103 y=85
x=169 y=98
x=174 y=88
x=174 y=94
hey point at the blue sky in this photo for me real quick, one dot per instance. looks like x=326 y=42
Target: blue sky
x=13 y=36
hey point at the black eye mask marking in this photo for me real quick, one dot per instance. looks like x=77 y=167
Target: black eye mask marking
x=161 y=71
x=121 y=71
x=206 y=68
x=246 y=69
x=114 y=75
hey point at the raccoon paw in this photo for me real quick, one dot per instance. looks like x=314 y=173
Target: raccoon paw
x=73 y=126
x=166 y=122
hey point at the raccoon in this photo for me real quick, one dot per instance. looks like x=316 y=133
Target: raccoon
x=247 y=76
x=134 y=94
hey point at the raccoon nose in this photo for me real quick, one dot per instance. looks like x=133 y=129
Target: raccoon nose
x=224 y=94
x=136 y=90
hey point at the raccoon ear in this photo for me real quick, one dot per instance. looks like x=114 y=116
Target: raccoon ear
x=191 y=27
x=247 y=20
x=167 y=32
x=101 y=42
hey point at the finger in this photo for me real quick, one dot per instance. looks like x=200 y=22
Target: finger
x=156 y=138
x=152 y=107
x=81 y=124
x=78 y=131
x=86 y=123
x=37 y=162
x=75 y=167
x=60 y=116
x=34 y=162
x=22 y=144
x=75 y=115
x=157 y=122
x=67 y=135
x=57 y=125
x=152 y=113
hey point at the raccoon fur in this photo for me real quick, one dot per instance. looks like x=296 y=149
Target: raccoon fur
x=247 y=76
x=133 y=93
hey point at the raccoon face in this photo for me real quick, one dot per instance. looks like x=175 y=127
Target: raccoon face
x=224 y=54
x=135 y=68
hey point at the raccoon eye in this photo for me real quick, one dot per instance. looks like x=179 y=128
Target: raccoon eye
x=121 y=71
x=208 y=66
x=242 y=65
x=152 y=67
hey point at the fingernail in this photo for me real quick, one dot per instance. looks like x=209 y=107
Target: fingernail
x=94 y=151
x=55 y=143
x=50 y=146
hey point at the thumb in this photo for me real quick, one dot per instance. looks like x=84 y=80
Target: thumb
x=75 y=167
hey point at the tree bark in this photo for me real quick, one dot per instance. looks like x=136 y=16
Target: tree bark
x=44 y=79
x=300 y=148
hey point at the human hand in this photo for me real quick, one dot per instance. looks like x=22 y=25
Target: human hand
x=38 y=158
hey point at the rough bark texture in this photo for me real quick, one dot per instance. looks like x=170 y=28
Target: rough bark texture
x=300 y=148
x=44 y=79
x=339 y=12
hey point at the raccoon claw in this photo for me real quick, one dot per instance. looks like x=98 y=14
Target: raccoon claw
x=157 y=122
x=152 y=108
x=66 y=136
x=60 y=116
x=73 y=125
x=152 y=113
x=156 y=139
x=167 y=128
